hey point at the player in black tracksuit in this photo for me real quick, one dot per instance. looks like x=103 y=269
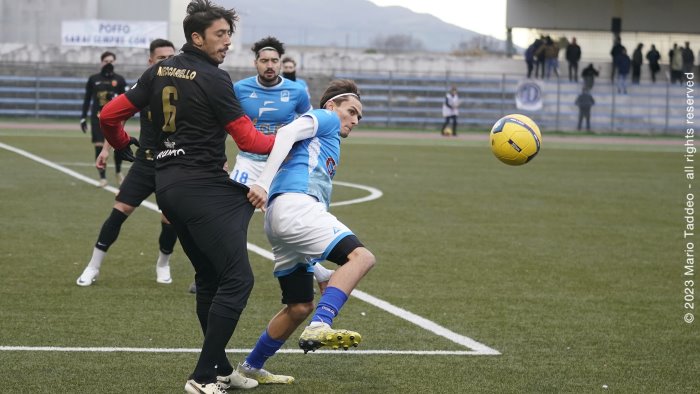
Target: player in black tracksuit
x=100 y=89
x=193 y=103
x=138 y=185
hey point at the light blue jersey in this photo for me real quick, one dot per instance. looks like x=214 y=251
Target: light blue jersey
x=311 y=163
x=270 y=107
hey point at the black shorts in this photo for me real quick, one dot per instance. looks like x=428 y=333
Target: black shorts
x=298 y=287
x=97 y=135
x=140 y=182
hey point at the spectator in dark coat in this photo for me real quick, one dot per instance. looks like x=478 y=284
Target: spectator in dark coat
x=653 y=57
x=573 y=55
x=589 y=73
x=614 y=53
x=622 y=63
x=584 y=101
x=530 y=57
x=637 y=59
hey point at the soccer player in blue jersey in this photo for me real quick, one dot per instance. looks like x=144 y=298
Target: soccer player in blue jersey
x=302 y=231
x=269 y=100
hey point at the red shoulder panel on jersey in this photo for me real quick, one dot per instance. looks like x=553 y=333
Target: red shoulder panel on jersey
x=248 y=138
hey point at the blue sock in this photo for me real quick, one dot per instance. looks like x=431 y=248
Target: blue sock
x=265 y=348
x=331 y=301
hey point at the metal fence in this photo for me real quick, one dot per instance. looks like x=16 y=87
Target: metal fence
x=400 y=100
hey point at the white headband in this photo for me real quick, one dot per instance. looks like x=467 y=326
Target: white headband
x=267 y=49
x=341 y=95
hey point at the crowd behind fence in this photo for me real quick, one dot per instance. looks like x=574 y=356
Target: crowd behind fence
x=395 y=100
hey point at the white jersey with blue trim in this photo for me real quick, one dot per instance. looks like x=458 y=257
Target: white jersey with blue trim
x=311 y=163
x=270 y=107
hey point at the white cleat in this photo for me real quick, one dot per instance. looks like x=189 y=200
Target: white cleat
x=88 y=277
x=102 y=183
x=193 y=387
x=163 y=275
x=236 y=381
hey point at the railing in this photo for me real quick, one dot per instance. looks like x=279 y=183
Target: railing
x=392 y=100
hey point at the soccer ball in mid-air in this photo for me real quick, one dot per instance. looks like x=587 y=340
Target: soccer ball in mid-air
x=515 y=139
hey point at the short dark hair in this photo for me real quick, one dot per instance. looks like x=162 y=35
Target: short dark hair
x=202 y=13
x=336 y=87
x=159 y=43
x=107 y=53
x=268 y=41
x=288 y=59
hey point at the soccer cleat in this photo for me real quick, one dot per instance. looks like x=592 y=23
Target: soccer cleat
x=320 y=335
x=120 y=178
x=236 y=381
x=193 y=288
x=88 y=277
x=102 y=183
x=193 y=387
x=163 y=275
x=262 y=376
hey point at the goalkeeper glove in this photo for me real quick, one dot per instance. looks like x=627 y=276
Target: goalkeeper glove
x=83 y=125
x=126 y=154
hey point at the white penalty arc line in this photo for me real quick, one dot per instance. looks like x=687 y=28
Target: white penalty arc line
x=478 y=348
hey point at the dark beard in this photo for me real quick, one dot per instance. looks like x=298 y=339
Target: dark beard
x=292 y=76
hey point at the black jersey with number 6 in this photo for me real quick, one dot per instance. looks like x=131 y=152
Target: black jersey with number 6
x=191 y=100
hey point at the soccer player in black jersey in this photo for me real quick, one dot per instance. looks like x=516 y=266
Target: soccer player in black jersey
x=193 y=106
x=99 y=89
x=138 y=185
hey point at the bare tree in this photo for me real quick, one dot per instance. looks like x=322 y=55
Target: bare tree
x=396 y=43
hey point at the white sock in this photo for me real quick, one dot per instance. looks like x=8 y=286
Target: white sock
x=97 y=257
x=316 y=323
x=163 y=259
x=321 y=273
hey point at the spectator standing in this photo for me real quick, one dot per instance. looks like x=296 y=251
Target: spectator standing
x=614 y=53
x=688 y=58
x=539 y=58
x=450 y=110
x=589 y=73
x=584 y=101
x=573 y=55
x=623 y=63
x=675 y=58
x=530 y=57
x=653 y=57
x=637 y=59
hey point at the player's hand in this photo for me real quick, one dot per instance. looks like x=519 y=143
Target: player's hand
x=226 y=166
x=126 y=154
x=83 y=125
x=257 y=196
x=101 y=161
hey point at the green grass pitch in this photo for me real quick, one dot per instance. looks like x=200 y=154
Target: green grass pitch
x=570 y=266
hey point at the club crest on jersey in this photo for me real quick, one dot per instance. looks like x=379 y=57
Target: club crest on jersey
x=253 y=95
x=330 y=166
x=284 y=96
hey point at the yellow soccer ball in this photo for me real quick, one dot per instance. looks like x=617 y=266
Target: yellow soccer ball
x=515 y=139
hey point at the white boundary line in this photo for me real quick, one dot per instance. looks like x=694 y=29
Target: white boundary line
x=478 y=348
x=238 y=351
